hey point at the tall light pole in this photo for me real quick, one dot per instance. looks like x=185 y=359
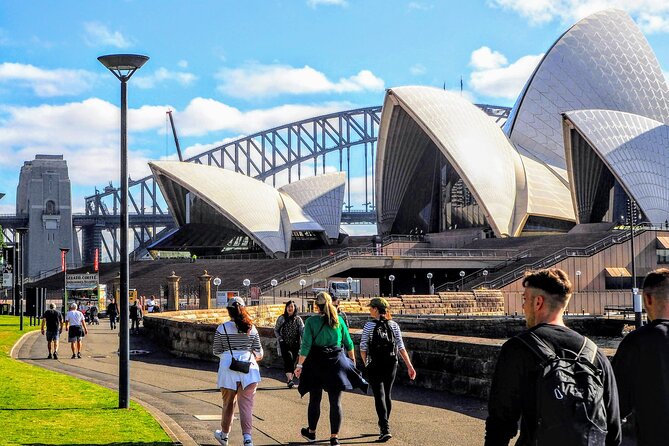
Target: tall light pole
x=485 y=277
x=123 y=66
x=63 y=267
x=429 y=283
x=349 y=280
x=636 y=297
x=21 y=232
x=392 y=280
x=462 y=280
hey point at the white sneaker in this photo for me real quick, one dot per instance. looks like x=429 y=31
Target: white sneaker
x=218 y=434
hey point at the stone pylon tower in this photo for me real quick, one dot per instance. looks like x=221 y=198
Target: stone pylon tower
x=44 y=197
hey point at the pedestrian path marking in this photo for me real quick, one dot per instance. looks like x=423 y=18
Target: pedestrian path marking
x=208 y=417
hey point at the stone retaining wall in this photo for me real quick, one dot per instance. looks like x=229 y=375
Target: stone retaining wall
x=458 y=364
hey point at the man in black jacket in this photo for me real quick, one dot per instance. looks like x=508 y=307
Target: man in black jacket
x=514 y=391
x=641 y=365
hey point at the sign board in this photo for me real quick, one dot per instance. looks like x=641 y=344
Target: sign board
x=7 y=280
x=223 y=296
x=81 y=281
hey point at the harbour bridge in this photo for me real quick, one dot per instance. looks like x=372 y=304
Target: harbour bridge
x=343 y=141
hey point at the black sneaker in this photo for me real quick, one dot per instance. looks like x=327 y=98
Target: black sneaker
x=55 y=355
x=385 y=436
x=79 y=355
x=334 y=440
x=309 y=436
x=290 y=383
x=49 y=357
x=73 y=356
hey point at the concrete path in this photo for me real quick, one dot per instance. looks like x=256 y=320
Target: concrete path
x=181 y=394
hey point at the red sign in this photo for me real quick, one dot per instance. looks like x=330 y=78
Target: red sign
x=63 y=265
x=95 y=260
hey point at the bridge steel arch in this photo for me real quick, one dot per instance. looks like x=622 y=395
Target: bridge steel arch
x=278 y=156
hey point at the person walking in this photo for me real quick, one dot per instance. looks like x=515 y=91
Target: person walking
x=552 y=379
x=112 y=313
x=150 y=304
x=237 y=339
x=336 y=301
x=136 y=315
x=288 y=332
x=75 y=325
x=641 y=365
x=380 y=344
x=52 y=320
x=323 y=365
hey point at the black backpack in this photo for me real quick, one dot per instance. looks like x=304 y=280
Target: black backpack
x=382 y=345
x=570 y=396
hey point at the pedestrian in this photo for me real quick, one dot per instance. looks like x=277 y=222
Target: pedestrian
x=552 y=379
x=237 y=339
x=150 y=304
x=288 y=332
x=112 y=313
x=136 y=315
x=93 y=311
x=52 y=320
x=641 y=365
x=380 y=344
x=75 y=324
x=323 y=365
x=336 y=301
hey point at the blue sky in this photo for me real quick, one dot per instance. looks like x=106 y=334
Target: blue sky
x=230 y=68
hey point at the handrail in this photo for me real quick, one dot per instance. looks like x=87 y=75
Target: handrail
x=552 y=259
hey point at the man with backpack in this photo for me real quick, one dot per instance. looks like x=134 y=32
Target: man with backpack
x=554 y=380
x=380 y=344
x=641 y=365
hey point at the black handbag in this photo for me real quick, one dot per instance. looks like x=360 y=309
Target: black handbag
x=235 y=364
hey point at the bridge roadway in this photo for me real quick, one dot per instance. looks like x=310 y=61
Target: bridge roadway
x=182 y=395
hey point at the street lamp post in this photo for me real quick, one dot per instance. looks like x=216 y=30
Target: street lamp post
x=123 y=66
x=429 y=283
x=21 y=232
x=392 y=280
x=63 y=267
x=349 y=280
x=485 y=276
x=302 y=284
x=462 y=280
x=636 y=297
x=217 y=283
x=247 y=284
x=274 y=283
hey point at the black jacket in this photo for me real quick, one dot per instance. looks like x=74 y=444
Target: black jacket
x=513 y=392
x=641 y=365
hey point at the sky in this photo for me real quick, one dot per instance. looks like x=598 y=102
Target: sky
x=231 y=68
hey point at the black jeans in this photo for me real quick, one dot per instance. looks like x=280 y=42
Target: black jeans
x=135 y=325
x=289 y=355
x=314 y=411
x=381 y=378
x=112 y=321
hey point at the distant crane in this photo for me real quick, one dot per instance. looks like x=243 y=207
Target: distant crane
x=174 y=132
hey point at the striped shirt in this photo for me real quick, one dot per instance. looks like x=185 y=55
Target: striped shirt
x=368 y=329
x=238 y=341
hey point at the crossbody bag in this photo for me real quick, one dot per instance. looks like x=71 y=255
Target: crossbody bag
x=237 y=365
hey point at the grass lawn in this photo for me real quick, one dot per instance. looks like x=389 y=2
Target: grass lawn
x=38 y=406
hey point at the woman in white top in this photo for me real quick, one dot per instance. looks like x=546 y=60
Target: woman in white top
x=237 y=338
x=380 y=344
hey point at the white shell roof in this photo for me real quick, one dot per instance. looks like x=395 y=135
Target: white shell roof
x=636 y=151
x=253 y=206
x=321 y=198
x=299 y=220
x=602 y=62
x=467 y=137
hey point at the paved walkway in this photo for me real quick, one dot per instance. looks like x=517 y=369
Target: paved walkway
x=181 y=394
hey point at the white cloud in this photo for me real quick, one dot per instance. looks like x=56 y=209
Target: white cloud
x=182 y=64
x=46 y=83
x=419 y=6
x=486 y=59
x=162 y=75
x=315 y=3
x=651 y=15
x=272 y=80
x=495 y=77
x=98 y=34
x=417 y=69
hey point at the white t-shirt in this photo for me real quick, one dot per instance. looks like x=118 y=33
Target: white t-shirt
x=150 y=304
x=74 y=317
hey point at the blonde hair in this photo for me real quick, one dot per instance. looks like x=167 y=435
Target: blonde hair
x=324 y=303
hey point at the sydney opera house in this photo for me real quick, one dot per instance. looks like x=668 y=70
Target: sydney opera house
x=587 y=136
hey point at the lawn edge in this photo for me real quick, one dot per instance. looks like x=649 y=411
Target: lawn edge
x=177 y=434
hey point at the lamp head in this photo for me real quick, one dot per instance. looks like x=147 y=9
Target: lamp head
x=123 y=65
